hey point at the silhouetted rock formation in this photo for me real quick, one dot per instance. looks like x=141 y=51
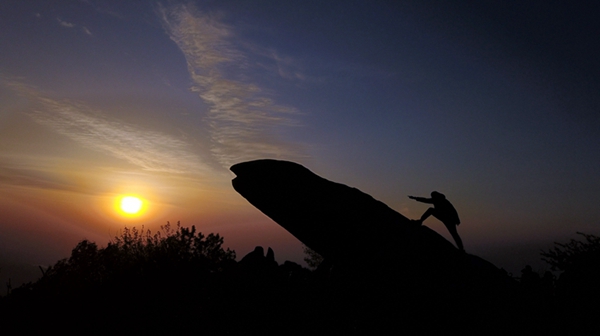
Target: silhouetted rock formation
x=364 y=238
x=257 y=261
x=255 y=257
x=337 y=221
x=328 y=217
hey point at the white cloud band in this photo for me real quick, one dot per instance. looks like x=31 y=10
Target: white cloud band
x=242 y=120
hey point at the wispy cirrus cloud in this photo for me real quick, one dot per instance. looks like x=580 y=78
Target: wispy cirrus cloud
x=285 y=66
x=65 y=23
x=243 y=120
x=149 y=150
x=32 y=176
x=72 y=25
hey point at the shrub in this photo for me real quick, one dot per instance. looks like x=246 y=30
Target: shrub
x=136 y=258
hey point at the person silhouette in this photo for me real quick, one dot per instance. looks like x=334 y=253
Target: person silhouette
x=444 y=211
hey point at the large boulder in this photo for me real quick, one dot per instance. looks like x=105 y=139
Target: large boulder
x=337 y=221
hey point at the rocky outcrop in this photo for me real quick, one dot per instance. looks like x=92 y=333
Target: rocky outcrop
x=359 y=234
x=333 y=219
x=330 y=218
x=256 y=260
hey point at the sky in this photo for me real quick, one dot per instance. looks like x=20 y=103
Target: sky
x=496 y=104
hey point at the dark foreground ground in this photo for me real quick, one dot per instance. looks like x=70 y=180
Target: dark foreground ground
x=282 y=300
x=179 y=281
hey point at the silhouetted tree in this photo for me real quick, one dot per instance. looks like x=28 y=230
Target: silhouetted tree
x=579 y=262
x=574 y=253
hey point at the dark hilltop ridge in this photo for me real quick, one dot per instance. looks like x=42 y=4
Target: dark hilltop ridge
x=381 y=274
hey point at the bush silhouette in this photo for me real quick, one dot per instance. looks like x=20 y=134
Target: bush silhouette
x=579 y=262
x=136 y=254
x=574 y=253
x=136 y=272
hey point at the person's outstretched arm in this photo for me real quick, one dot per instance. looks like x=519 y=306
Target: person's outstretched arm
x=421 y=199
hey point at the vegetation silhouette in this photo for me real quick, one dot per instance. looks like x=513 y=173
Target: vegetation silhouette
x=136 y=275
x=577 y=290
x=138 y=252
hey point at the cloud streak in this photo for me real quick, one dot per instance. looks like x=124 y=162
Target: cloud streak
x=72 y=25
x=149 y=150
x=65 y=23
x=243 y=121
x=34 y=177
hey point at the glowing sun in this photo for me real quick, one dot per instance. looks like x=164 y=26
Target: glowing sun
x=130 y=206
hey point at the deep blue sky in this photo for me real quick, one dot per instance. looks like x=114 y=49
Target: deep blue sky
x=494 y=103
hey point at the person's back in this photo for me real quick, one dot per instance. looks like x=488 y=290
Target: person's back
x=445 y=210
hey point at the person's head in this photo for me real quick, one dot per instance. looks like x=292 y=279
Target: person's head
x=437 y=195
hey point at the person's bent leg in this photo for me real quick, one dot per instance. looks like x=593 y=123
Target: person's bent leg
x=427 y=213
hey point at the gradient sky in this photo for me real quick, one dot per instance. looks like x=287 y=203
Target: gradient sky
x=494 y=103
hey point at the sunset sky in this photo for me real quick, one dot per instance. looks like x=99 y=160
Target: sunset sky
x=494 y=103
